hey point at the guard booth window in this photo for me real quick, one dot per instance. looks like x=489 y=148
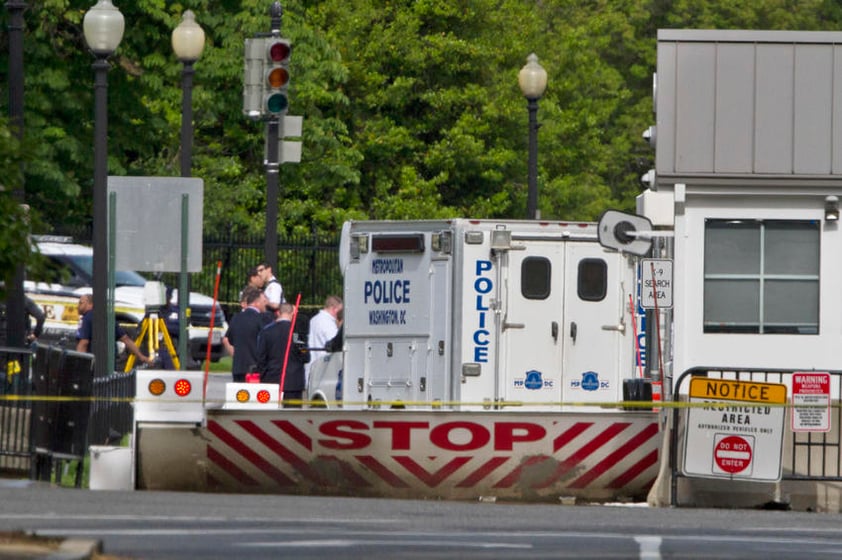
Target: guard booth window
x=535 y=277
x=592 y=284
x=761 y=276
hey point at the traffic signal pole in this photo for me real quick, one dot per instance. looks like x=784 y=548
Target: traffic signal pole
x=273 y=188
x=265 y=98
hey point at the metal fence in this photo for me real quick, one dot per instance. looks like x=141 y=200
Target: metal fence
x=307 y=264
x=15 y=407
x=806 y=455
x=53 y=407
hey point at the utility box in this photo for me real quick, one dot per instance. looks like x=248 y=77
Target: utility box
x=111 y=468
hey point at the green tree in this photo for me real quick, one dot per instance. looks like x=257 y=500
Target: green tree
x=411 y=107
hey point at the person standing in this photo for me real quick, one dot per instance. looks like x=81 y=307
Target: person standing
x=323 y=327
x=255 y=281
x=241 y=338
x=271 y=287
x=272 y=350
x=34 y=311
x=84 y=331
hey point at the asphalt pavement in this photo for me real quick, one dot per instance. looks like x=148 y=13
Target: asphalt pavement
x=20 y=545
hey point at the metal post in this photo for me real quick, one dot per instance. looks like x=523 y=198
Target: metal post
x=112 y=279
x=273 y=165
x=101 y=337
x=15 y=309
x=186 y=164
x=532 y=193
x=272 y=194
x=182 y=284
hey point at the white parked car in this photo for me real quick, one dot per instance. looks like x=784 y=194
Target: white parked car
x=325 y=383
x=68 y=275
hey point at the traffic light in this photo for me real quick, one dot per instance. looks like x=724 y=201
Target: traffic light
x=253 y=78
x=276 y=77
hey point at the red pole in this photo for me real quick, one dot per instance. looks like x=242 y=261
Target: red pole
x=289 y=344
x=658 y=385
x=634 y=331
x=210 y=332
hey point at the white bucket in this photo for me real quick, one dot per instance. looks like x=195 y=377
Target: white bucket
x=111 y=468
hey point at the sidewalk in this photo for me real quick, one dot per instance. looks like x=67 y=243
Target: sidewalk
x=20 y=546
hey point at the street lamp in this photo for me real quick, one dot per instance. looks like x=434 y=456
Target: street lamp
x=188 y=41
x=103 y=26
x=532 y=79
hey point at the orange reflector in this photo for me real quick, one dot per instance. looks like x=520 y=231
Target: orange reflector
x=182 y=387
x=277 y=77
x=242 y=395
x=157 y=387
x=263 y=396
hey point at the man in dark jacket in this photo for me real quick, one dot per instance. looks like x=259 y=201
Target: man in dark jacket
x=272 y=350
x=241 y=339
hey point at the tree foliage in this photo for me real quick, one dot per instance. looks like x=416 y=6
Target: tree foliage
x=411 y=107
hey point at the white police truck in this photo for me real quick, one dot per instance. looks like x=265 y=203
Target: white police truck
x=481 y=314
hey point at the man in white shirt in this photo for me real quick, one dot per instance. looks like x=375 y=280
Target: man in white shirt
x=323 y=326
x=271 y=287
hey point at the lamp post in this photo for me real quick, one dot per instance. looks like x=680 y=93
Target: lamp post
x=15 y=310
x=188 y=41
x=103 y=27
x=532 y=79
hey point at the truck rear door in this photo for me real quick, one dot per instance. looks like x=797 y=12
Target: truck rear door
x=598 y=335
x=563 y=330
x=531 y=323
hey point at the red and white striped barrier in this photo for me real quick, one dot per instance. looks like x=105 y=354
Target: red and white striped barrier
x=531 y=457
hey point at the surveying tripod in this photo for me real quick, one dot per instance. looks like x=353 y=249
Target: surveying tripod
x=153 y=327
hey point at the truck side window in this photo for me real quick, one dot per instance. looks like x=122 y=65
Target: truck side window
x=761 y=276
x=592 y=283
x=535 y=276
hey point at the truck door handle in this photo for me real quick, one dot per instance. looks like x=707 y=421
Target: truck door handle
x=554 y=330
x=621 y=328
x=574 y=330
x=507 y=325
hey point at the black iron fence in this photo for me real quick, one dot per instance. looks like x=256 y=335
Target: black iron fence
x=307 y=265
x=15 y=408
x=52 y=407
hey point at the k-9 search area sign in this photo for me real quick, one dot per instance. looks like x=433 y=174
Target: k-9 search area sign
x=734 y=429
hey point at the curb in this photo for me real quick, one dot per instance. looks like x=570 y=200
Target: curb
x=76 y=549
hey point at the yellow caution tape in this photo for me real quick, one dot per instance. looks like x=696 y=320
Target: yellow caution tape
x=507 y=405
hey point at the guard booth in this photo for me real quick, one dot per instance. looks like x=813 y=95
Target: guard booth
x=748 y=172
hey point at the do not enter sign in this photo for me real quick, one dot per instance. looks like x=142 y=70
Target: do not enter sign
x=732 y=454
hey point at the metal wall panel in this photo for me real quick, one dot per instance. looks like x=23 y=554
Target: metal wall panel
x=814 y=106
x=734 y=140
x=695 y=108
x=836 y=120
x=665 y=108
x=774 y=105
x=748 y=103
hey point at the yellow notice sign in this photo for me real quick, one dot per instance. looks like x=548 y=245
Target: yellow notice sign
x=733 y=390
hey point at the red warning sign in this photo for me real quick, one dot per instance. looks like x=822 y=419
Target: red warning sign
x=810 y=401
x=732 y=454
